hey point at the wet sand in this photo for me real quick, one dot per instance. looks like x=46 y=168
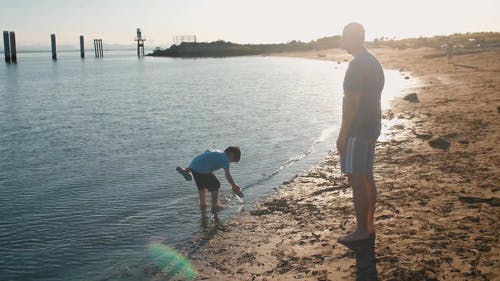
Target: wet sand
x=438 y=210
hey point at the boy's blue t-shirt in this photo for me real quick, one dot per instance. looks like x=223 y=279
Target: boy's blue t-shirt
x=209 y=161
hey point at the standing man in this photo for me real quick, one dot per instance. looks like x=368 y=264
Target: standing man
x=449 y=51
x=361 y=123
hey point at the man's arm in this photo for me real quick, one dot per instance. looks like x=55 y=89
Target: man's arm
x=230 y=179
x=350 y=111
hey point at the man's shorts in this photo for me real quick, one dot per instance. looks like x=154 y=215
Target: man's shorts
x=208 y=181
x=358 y=156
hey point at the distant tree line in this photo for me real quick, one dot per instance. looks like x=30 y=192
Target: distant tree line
x=463 y=40
x=226 y=49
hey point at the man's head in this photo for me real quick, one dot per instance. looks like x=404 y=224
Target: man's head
x=353 y=38
x=233 y=153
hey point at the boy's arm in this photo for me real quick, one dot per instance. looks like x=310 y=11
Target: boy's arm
x=230 y=179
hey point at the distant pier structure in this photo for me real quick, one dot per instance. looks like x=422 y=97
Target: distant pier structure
x=140 y=43
x=9 y=46
x=53 y=46
x=99 y=52
x=82 y=47
x=184 y=38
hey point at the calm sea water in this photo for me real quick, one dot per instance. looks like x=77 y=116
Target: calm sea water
x=88 y=150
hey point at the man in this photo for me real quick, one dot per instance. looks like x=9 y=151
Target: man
x=449 y=51
x=361 y=123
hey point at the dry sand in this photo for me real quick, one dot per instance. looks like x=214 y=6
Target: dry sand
x=438 y=210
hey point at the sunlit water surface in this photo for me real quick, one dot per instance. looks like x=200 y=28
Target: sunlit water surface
x=88 y=150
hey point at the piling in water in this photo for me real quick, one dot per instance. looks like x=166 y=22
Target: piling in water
x=13 y=51
x=53 y=45
x=6 y=46
x=82 y=47
x=99 y=53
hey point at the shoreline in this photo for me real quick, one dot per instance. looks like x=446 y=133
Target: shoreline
x=436 y=217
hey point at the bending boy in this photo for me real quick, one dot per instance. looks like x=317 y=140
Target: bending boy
x=202 y=168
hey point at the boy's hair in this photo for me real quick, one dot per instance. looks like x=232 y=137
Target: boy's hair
x=235 y=151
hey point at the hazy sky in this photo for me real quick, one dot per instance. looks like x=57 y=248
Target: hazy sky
x=251 y=21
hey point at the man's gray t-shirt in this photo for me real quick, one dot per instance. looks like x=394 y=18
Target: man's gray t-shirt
x=366 y=77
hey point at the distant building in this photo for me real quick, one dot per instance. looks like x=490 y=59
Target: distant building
x=184 y=38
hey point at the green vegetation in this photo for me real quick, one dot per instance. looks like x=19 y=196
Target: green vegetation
x=227 y=49
x=464 y=40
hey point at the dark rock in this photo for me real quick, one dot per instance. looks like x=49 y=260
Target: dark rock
x=411 y=98
x=451 y=136
x=440 y=143
x=498 y=109
x=398 y=127
x=464 y=141
x=493 y=201
x=401 y=70
x=407 y=77
x=423 y=136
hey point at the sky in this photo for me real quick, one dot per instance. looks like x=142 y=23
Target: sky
x=250 y=21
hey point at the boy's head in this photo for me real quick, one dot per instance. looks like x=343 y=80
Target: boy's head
x=233 y=153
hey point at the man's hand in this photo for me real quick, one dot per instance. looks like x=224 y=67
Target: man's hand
x=341 y=144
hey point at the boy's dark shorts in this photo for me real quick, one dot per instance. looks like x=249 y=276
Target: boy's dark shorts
x=208 y=181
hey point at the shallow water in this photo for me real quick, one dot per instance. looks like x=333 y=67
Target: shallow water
x=88 y=150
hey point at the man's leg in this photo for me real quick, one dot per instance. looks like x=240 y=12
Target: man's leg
x=372 y=192
x=362 y=206
x=203 y=198
x=357 y=163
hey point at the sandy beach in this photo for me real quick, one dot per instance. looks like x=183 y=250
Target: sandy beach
x=437 y=171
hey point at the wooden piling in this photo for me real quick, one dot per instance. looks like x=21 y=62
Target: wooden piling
x=53 y=46
x=6 y=46
x=99 y=52
x=82 y=47
x=13 y=50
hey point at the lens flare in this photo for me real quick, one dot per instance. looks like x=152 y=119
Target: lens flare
x=171 y=263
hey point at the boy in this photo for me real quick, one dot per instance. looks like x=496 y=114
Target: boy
x=202 y=168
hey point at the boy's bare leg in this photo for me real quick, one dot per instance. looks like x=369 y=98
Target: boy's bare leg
x=215 y=205
x=203 y=198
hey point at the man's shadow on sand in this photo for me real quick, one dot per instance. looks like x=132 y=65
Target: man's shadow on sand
x=366 y=262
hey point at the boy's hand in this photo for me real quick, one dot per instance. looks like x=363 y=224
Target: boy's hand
x=236 y=188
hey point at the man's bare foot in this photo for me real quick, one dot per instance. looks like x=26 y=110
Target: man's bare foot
x=218 y=208
x=355 y=236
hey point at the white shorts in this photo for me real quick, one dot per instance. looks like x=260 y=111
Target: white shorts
x=359 y=156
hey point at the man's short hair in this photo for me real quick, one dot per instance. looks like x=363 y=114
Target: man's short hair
x=235 y=151
x=355 y=31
